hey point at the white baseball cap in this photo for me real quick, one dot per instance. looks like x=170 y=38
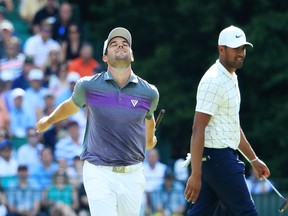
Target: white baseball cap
x=232 y=37
x=7 y=75
x=73 y=77
x=118 y=32
x=35 y=74
x=5 y=24
x=17 y=92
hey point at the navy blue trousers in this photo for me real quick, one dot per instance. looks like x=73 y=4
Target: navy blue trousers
x=224 y=191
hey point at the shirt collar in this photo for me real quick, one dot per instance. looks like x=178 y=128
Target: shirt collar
x=108 y=76
x=225 y=71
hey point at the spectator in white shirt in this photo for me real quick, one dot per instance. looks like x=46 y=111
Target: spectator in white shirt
x=39 y=45
x=8 y=163
x=154 y=172
x=34 y=96
x=29 y=153
x=70 y=146
x=20 y=119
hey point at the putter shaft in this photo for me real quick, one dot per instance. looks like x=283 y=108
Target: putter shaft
x=279 y=194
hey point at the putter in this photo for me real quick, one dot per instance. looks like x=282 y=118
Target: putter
x=284 y=205
x=159 y=118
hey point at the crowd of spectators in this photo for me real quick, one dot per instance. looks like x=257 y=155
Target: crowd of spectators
x=41 y=174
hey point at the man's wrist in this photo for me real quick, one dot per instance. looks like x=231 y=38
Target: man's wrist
x=254 y=160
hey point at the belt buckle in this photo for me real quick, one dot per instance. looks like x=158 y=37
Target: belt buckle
x=119 y=169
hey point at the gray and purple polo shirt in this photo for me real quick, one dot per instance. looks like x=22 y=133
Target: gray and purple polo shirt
x=115 y=131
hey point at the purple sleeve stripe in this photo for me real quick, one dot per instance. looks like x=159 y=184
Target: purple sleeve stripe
x=117 y=100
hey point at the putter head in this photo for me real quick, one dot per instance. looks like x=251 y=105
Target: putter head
x=284 y=206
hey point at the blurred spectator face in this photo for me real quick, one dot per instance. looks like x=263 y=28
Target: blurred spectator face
x=153 y=157
x=62 y=74
x=27 y=67
x=65 y=12
x=73 y=130
x=45 y=31
x=49 y=101
x=86 y=52
x=23 y=173
x=32 y=136
x=18 y=101
x=46 y=156
x=36 y=84
x=54 y=56
x=60 y=177
x=168 y=181
x=5 y=152
x=73 y=32
x=7 y=30
x=35 y=77
x=62 y=163
x=12 y=48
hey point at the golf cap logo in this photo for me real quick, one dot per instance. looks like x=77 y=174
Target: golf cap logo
x=134 y=102
x=238 y=36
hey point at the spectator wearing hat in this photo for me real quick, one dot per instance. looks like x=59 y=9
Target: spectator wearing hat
x=14 y=59
x=19 y=117
x=7 y=31
x=85 y=64
x=8 y=163
x=38 y=46
x=168 y=198
x=23 y=197
x=22 y=81
x=34 y=96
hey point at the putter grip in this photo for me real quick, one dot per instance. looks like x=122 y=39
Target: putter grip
x=159 y=118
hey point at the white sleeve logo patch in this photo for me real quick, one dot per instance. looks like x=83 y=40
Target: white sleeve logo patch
x=134 y=102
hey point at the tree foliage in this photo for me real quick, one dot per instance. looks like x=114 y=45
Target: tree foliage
x=174 y=43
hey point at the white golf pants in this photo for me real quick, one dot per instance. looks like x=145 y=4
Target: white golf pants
x=112 y=193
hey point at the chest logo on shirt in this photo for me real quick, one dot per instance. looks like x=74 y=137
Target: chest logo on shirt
x=134 y=102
